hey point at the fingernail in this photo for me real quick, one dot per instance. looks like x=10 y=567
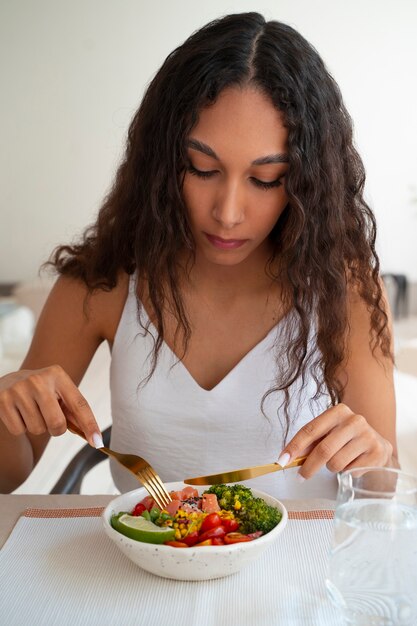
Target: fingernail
x=284 y=459
x=299 y=478
x=98 y=440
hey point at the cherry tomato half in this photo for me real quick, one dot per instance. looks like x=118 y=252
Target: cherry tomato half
x=211 y=521
x=217 y=541
x=236 y=538
x=175 y=544
x=191 y=539
x=230 y=525
x=138 y=510
x=218 y=531
x=207 y=542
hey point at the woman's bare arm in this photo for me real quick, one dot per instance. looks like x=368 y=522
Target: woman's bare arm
x=35 y=401
x=361 y=430
x=370 y=377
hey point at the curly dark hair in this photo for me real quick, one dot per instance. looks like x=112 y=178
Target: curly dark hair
x=325 y=239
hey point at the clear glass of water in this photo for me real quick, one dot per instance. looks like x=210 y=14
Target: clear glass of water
x=372 y=575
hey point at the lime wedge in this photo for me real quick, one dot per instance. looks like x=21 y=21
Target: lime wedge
x=141 y=529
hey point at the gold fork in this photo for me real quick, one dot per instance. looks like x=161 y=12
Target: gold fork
x=139 y=467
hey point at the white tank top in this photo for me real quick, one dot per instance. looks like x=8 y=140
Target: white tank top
x=184 y=430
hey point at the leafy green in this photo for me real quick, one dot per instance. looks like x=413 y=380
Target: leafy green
x=228 y=495
x=254 y=514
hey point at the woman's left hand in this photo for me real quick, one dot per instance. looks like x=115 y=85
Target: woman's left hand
x=339 y=439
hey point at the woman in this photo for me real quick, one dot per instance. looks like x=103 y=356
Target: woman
x=232 y=270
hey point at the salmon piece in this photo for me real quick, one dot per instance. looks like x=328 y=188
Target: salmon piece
x=172 y=507
x=180 y=500
x=148 y=502
x=210 y=504
x=190 y=506
x=176 y=495
x=189 y=492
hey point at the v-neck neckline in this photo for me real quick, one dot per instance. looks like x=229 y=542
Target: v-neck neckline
x=180 y=364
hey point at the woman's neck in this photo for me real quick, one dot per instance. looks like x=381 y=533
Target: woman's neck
x=228 y=281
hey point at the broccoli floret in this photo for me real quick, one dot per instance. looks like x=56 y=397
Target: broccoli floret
x=256 y=514
x=228 y=495
x=252 y=513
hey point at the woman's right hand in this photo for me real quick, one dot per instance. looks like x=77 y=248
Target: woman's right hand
x=41 y=401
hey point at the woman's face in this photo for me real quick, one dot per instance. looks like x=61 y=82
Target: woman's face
x=234 y=185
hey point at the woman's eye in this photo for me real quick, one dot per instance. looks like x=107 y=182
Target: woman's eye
x=200 y=173
x=258 y=183
x=267 y=185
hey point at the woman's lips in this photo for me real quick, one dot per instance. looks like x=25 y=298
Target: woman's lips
x=225 y=244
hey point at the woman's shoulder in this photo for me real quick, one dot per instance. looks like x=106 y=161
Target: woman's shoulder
x=101 y=308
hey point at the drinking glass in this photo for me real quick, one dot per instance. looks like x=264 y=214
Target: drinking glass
x=372 y=574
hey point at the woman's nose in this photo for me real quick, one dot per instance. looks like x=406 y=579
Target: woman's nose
x=229 y=207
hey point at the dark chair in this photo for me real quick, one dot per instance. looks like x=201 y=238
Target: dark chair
x=83 y=462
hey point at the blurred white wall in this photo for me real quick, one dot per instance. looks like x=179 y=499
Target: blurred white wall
x=73 y=73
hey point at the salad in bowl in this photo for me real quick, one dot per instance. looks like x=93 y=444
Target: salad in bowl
x=203 y=533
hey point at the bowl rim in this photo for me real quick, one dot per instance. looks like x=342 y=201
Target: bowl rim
x=248 y=545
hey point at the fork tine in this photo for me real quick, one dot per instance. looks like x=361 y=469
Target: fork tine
x=160 y=484
x=147 y=475
x=150 y=488
x=147 y=478
x=157 y=485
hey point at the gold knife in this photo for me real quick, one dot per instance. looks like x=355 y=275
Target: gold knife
x=246 y=473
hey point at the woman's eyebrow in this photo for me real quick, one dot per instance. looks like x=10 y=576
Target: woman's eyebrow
x=195 y=144
x=271 y=158
x=201 y=147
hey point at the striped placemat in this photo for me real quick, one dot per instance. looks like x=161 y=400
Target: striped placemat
x=58 y=567
x=53 y=513
x=97 y=511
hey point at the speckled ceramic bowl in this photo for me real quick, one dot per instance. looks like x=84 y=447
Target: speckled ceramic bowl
x=201 y=563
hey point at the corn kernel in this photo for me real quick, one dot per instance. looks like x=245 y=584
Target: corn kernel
x=177 y=534
x=183 y=532
x=237 y=505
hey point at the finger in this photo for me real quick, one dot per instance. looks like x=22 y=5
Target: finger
x=328 y=448
x=350 y=432
x=370 y=457
x=71 y=419
x=11 y=418
x=80 y=410
x=53 y=415
x=348 y=455
x=313 y=431
x=31 y=415
x=32 y=395
x=360 y=461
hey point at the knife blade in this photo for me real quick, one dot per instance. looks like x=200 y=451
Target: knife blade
x=234 y=476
